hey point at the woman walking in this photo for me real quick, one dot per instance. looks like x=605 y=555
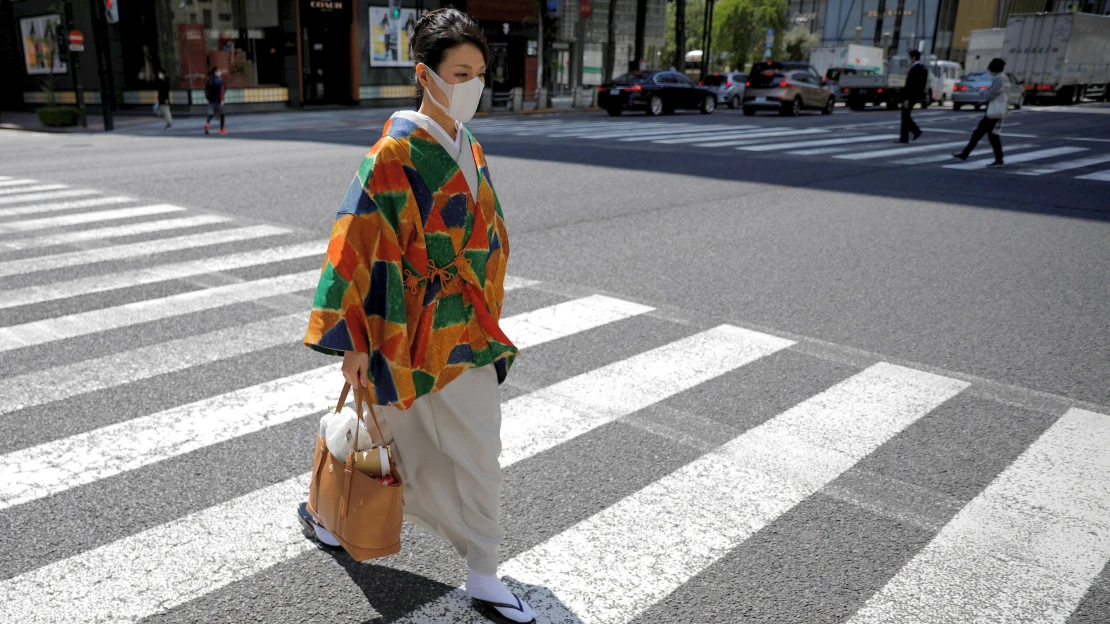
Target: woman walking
x=996 y=98
x=411 y=295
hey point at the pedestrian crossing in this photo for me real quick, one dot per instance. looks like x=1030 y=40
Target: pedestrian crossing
x=1028 y=546
x=851 y=143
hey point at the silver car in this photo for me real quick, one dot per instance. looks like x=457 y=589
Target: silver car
x=728 y=85
x=970 y=90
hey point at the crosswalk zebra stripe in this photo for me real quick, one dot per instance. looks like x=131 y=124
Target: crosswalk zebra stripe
x=86 y=217
x=1101 y=176
x=770 y=147
x=19 y=199
x=1025 y=549
x=597 y=570
x=41 y=387
x=95 y=321
x=32 y=189
x=56 y=466
x=158 y=273
x=600 y=133
x=933 y=158
x=1026 y=157
x=568 y=318
x=512 y=282
x=733 y=133
x=117 y=231
x=648 y=135
x=898 y=151
x=182 y=560
x=553 y=415
x=746 y=138
x=17 y=182
x=1066 y=165
x=141 y=249
x=64 y=205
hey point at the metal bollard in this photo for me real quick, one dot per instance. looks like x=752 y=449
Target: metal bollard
x=577 y=102
x=543 y=99
x=517 y=99
x=485 y=105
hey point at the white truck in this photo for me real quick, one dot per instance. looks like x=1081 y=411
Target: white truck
x=982 y=46
x=866 y=87
x=1059 y=56
x=854 y=55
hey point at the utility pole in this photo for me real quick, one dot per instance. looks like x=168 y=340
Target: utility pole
x=707 y=39
x=579 y=51
x=879 y=24
x=610 y=43
x=680 y=35
x=75 y=68
x=104 y=58
x=541 y=6
x=641 y=26
x=898 y=24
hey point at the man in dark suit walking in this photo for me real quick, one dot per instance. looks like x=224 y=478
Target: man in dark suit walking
x=917 y=80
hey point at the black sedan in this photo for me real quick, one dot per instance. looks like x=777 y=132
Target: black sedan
x=656 y=92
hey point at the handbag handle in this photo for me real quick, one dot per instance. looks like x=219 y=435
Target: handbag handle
x=361 y=395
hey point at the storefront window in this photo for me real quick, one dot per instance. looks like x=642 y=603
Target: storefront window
x=189 y=37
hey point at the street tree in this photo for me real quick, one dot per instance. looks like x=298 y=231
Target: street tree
x=798 y=43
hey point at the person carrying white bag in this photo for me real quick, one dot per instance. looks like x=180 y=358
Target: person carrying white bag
x=997 y=99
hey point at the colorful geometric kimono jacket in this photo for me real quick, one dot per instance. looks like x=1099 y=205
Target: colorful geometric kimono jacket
x=415 y=270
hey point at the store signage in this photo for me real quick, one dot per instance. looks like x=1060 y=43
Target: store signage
x=326 y=5
x=889 y=13
x=585 y=8
x=76 y=41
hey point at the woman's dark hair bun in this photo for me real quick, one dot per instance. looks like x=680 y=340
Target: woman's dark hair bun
x=438 y=31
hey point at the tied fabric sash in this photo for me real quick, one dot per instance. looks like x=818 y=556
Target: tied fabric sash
x=471 y=291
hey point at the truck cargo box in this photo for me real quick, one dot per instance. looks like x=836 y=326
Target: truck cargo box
x=1063 y=54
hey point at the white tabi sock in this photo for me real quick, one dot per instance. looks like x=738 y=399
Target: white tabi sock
x=490 y=588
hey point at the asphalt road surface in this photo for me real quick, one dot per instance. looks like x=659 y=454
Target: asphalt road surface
x=775 y=369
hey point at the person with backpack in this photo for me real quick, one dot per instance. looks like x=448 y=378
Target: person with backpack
x=214 y=92
x=162 y=83
x=997 y=98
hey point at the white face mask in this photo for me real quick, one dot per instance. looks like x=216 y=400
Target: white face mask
x=463 y=97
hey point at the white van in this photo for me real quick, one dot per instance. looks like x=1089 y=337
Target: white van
x=945 y=76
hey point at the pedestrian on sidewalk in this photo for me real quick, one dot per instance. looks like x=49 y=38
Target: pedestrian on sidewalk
x=411 y=295
x=214 y=91
x=163 y=85
x=997 y=99
x=917 y=81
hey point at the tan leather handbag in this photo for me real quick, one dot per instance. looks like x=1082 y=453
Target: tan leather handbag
x=362 y=513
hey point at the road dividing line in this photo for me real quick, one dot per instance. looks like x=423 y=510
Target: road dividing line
x=162 y=272
x=923 y=160
x=19 y=199
x=32 y=189
x=1065 y=165
x=598 y=570
x=771 y=147
x=1026 y=157
x=898 y=151
x=17 y=182
x=56 y=466
x=1101 y=176
x=95 y=321
x=64 y=205
x=86 y=217
x=1024 y=550
x=746 y=138
x=149 y=248
x=118 y=231
x=185 y=559
x=41 y=387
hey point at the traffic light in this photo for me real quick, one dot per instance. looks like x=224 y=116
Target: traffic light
x=111 y=11
x=394 y=9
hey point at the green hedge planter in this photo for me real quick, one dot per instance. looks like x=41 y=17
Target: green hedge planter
x=59 y=115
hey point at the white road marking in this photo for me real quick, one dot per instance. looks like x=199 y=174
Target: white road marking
x=86 y=217
x=32 y=189
x=695 y=133
x=59 y=465
x=17 y=182
x=118 y=231
x=148 y=248
x=1026 y=157
x=163 y=272
x=769 y=147
x=598 y=133
x=1065 y=165
x=1025 y=549
x=693 y=516
x=1101 y=176
x=185 y=559
x=95 y=321
x=19 y=199
x=921 y=160
x=747 y=138
x=898 y=151
x=64 y=205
